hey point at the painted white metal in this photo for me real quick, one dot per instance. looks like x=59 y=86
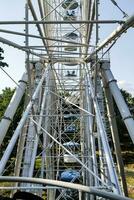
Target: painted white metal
x=91 y=136
x=103 y=135
x=69 y=159
x=91 y=190
x=37 y=135
x=123 y=108
x=114 y=35
x=115 y=137
x=32 y=131
x=62 y=22
x=15 y=45
x=52 y=14
x=14 y=138
x=12 y=107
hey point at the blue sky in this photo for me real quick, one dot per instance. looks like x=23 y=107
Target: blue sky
x=122 y=54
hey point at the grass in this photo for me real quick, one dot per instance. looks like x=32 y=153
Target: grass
x=5 y=193
x=129 y=170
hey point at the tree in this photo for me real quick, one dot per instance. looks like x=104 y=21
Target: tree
x=2 y=64
x=5 y=98
x=129 y=99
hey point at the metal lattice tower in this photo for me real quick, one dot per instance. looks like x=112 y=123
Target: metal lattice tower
x=65 y=139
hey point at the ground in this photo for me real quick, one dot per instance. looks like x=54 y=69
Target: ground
x=129 y=169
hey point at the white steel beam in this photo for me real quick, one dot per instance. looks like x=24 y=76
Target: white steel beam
x=121 y=104
x=113 y=36
x=12 y=107
x=41 y=37
x=91 y=190
x=63 y=22
x=15 y=45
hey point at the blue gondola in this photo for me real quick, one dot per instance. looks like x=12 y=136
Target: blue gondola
x=70 y=175
x=70 y=129
x=71 y=144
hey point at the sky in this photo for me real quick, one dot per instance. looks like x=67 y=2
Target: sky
x=121 y=55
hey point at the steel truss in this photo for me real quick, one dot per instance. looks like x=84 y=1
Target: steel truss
x=68 y=122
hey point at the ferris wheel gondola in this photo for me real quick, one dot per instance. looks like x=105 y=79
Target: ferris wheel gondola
x=70 y=4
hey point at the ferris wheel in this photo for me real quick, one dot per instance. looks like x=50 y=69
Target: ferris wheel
x=66 y=144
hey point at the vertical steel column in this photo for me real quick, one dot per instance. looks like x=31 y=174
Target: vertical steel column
x=90 y=26
x=97 y=25
x=121 y=104
x=115 y=137
x=100 y=99
x=91 y=135
x=112 y=172
x=92 y=162
x=51 y=161
x=81 y=123
x=20 y=149
x=46 y=156
x=28 y=165
x=27 y=54
x=28 y=150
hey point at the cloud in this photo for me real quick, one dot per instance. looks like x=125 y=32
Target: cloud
x=129 y=87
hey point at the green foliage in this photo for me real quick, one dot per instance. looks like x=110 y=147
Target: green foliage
x=2 y=64
x=5 y=98
x=129 y=99
x=38 y=163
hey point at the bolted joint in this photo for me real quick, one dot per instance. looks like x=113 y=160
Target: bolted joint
x=7 y=118
x=22 y=81
x=112 y=80
x=104 y=64
x=128 y=117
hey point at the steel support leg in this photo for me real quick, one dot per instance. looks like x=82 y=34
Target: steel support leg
x=115 y=137
x=121 y=104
